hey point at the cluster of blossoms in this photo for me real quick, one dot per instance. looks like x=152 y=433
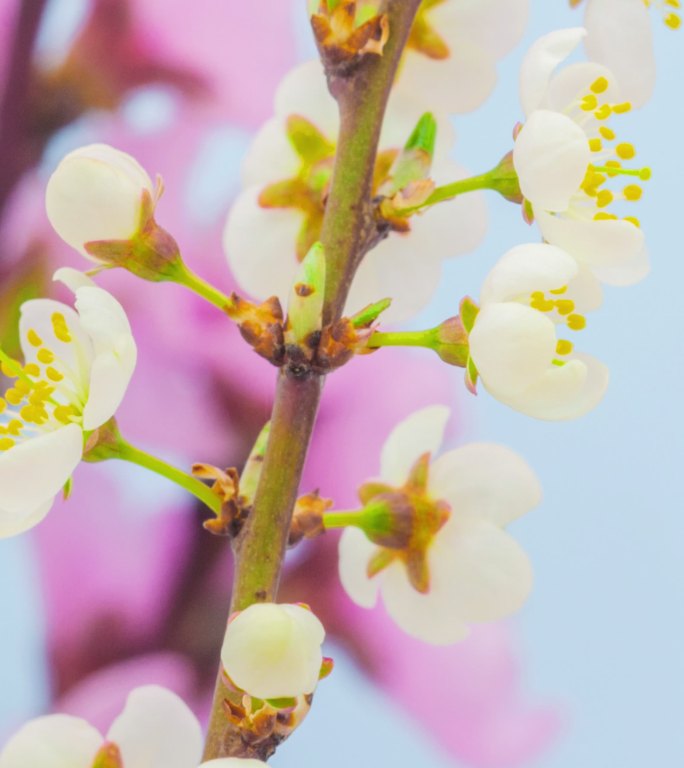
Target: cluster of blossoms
x=430 y=537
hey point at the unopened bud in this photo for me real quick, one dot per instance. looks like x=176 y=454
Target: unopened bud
x=305 y=308
x=414 y=162
x=273 y=651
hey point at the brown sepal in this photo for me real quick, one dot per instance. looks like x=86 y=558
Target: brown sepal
x=261 y=326
x=307 y=519
x=226 y=486
x=341 y=43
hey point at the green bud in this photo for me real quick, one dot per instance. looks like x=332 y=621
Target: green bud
x=415 y=160
x=370 y=314
x=305 y=308
x=249 y=479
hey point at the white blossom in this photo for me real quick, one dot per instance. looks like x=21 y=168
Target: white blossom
x=477 y=572
x=273 y=651
x=263 y=240
x=97 y=193
x=451 y=56
x=77 y=366
x=155 y=730
x=573 y=169
x=532 y=292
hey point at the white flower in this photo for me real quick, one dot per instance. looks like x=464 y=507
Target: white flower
x=98 y=193
x=452 y=52
x=155 y=730
x=77 y=368
x=278 y=215
x=476 y=571
x=571 y=166
x=531 y=292
x=273 y=651
x=620 y=36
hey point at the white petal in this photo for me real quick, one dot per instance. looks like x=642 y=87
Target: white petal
x=485 y=480
x=432 y=617
x=260 y=244
x=541 y=60
x=75 y=355
x=526 y=269
x=304 y=91
x=572 y=83
x=421 y=432
x=96 y=194
x=273 y=651
x=72 y=278
x=512 y=347
x=15 y=523
x=564 y=392
x=620 y=36
x=489 y=575
x=355 y=552
x=34 y=471
x=157 y=730
x=613 y=250
x=551 y=156
x=233 y=762
x=55 y=741
x=271 y=157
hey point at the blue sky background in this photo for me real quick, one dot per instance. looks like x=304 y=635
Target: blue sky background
x=602 y=632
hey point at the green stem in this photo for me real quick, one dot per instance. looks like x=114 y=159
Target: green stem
x=126 y=452
x=343 y=519
x=403 y=339
x=450 y=191
x=204 y=289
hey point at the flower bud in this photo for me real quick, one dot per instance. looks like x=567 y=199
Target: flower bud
x=273 y=651
x=97 y=193
x=305 y=308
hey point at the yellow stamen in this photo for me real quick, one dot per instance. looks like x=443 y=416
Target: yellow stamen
x=600 y=85
x=632 y=192
x=633 y=220
x=13 y=396
x=595 y=145
x=53 y=374
x=45 y=356
x=31 y=369
x=604 y=198
x=6 y=443
x=603 y=112
x=565 y=306
x=589 y=102
x=576 y=322
x=607 y=133
x=564 y=347
x=60 y=327
x=625 y=151
x=559 y=291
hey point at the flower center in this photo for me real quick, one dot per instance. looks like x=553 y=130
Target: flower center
x=45 y=394
x=611 y=177
x=560 y=310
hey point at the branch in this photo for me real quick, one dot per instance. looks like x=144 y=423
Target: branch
x=347 y=234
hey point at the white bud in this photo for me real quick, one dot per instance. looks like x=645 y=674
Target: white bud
x=274 y=651
x=97 y=193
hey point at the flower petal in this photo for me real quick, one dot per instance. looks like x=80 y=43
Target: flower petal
x=613 y=250
x=421 y=432
x=569 y=85
x=273 y=651
x=18 y=522
x=55 y=741
x=271 y=157
x=355 y=552
x=541 y=60
x=620 y=36
x=551 y=156
x=563 y=392
x=526 y=269
x=485 y=480
x=512 y=347
x=157 y=730
x=260 y=246
x=35 y=471
x=304 y=91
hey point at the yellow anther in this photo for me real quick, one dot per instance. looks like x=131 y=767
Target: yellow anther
x=613 y=168
x=620 y=109
x=63 y=413
x=595 y=145
x=645 y=174
x=13 y=396
x=559 y=291
x=559 y=363
x=603 y=112
x=605 y=216
x=563 y=347
x=60 y=327
x=14 y=427
x=589 y=102
x=604 y=198
x=3 y=405
x=29 y=413
x=633 y=220
x=6 y=443
x=673 y=21
x=564 y=306
x=45 y=356
x=53 y=374
x=31 y=369
x=22 y=386
x=33 y=338
x=600 y=85
x=607 y=133
x=632 y=192
x=625 y=151
x=576 y=322
x=538 y=296
x=543 y=305
x=11 y=370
